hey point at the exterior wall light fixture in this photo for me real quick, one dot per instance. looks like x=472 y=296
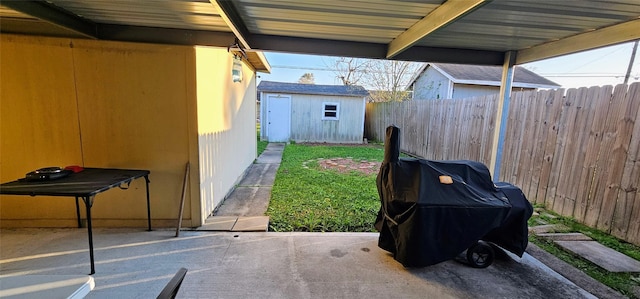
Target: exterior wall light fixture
x=236 y=69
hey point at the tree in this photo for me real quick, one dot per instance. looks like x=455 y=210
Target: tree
x=388 y=80
x=350 y=70
x=307 y=78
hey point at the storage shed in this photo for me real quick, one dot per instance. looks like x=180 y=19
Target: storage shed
x=311 y=113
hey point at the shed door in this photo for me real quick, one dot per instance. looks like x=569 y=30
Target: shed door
x=278 y=118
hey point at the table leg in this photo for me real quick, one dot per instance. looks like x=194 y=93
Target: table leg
x=146 y=178
x=78 y=213
x=88 y=202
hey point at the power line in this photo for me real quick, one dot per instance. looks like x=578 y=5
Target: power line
x=597 y=58
x=590 y=76
x=302 y=68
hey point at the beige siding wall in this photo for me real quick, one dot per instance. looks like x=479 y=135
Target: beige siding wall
x=307 y=124
x=107 y=104
x=38 y=123
x=226 y=125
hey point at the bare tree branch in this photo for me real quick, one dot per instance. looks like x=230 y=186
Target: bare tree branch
x=350 y=71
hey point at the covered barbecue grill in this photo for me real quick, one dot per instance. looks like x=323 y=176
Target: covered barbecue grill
x=432 y=211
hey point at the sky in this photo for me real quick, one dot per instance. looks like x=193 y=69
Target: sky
x=604 y=66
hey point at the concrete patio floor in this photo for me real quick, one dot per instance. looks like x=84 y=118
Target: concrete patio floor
x=133 y=263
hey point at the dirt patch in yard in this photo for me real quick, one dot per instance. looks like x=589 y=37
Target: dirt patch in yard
x=346 y=165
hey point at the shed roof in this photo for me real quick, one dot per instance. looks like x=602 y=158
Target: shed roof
x=298 y=88
x=488 y=75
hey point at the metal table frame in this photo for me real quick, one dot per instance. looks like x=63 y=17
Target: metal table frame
x=85 y=185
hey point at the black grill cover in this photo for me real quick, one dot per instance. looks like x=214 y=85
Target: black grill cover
x=423 y=221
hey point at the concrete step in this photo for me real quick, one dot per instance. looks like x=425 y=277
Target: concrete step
x=236 y=224
x=547 y=228
x=565 y=236
x=601 y=255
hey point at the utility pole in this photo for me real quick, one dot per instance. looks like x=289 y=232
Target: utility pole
x=633 y=57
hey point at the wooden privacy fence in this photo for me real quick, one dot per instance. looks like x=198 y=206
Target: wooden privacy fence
x=577 y=153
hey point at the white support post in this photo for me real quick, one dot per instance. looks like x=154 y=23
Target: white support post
x=502 y=114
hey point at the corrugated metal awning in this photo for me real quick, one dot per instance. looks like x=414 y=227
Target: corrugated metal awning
x=455 y=31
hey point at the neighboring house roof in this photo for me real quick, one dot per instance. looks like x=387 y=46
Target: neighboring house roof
x=334 y=90
x=487 y=75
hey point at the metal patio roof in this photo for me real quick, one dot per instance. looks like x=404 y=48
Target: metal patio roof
x=454 y=31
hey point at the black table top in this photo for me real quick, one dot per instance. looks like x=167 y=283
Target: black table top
x=88 y=182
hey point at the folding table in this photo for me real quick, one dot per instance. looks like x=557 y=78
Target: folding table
x=85 y=185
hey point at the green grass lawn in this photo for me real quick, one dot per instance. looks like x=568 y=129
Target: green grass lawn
x=307 y=198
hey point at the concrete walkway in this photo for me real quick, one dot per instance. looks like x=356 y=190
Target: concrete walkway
x=245 y=207
x=134 y=263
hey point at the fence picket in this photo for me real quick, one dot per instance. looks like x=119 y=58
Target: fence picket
x=628 y=208
x=626 y=112
x=564 y=202
x=537 y=106
x=601 y=172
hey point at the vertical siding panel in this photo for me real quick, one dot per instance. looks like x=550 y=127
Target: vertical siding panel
x=307 y=124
